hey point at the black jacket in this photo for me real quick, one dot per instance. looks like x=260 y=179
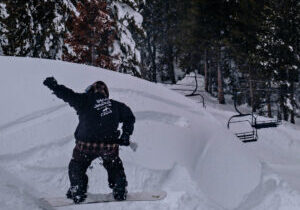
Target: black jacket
x=99 y=117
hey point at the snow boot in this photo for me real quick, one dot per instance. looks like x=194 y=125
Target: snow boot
x=119 y=190
x=120 y=194
x=77 y=194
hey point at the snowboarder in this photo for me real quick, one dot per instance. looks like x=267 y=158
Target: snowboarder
x=96 y=135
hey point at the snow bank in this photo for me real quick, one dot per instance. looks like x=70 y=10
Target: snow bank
x=23 y=196
x=272 y=193
x=277 y=148
x=182 y=148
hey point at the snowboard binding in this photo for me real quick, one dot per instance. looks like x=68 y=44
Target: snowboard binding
x=77 y=194
x=119 y=190
x=120 y=194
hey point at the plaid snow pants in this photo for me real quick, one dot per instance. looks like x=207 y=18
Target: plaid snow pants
x=83 y=155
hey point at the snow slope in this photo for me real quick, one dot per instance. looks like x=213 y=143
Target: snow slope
x=184 y=149
x=277 y=149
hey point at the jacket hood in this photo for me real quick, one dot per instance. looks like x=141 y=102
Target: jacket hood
x=97 y=85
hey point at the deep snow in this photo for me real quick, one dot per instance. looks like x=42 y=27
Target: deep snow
x=184 y=149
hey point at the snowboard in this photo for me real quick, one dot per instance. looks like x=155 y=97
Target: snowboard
x=101 y=198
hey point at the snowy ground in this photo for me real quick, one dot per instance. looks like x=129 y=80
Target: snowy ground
x=184 y=149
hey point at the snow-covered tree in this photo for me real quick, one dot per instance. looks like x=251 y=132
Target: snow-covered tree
x=49 y=17
x=278 y=51
x=129 y=30
x=35 y=28
x=18 y=24
x=3 y=15
x=92 y=35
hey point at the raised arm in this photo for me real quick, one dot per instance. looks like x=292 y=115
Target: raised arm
x=76 y=100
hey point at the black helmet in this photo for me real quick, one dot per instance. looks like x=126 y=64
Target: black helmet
x=98 y=87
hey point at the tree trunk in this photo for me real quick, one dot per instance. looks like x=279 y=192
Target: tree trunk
x=292 y=116
x=205 y=71
x=93 y=49
x=152 y=52
x=251 y=93
x=283 y=107
x=269 y=107
x=93 y=56
x=209 y=79
x=220 y=81
x=170 y=51
x=292 y=102
x=285 y=113
x=154 y=69
x=171 y=69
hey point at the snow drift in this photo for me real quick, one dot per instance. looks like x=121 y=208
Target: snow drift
x=183 y=148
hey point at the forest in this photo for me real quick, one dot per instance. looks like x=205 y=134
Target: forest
x=245 y=49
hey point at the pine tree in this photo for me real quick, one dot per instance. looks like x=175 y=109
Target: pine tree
x=18 y=28
x=49 y=17
x=3 y=16
x=282 y=51
x=129 y=32
x=92 y=35
x=207 y=35
x=152 y=25
x=245 y=27
x=34 y=28
x=167 y=48
x=160 y=51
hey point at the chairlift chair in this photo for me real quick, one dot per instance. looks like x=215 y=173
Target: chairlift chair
x=251 y=136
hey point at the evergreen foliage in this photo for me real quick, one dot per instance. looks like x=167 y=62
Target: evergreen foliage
x=152 y=25
x=92 y=35
x=3 y=29
x=34 y=28
x=250 y=45
x=129 y=32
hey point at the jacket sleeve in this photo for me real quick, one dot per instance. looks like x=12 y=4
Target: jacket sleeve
x=76 y=100
x=127 y=118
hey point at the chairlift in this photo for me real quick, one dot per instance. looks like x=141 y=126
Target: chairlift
x=260 y=124
x=270 y=123
x=247 y=136
x=255 y=123
x=194 y=92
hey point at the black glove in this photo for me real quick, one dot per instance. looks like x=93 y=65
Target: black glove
x=50 y=82
x=125 y=139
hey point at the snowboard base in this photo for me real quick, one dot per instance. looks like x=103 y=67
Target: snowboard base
x=101 y=198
